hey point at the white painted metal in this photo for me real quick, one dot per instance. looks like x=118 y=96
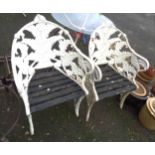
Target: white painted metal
x=109 y=45
x=41 y=44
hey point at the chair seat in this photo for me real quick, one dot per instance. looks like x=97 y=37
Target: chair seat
x=112 y=83
x=49 y=87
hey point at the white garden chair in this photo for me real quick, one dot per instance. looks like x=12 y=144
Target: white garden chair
x=41 y=44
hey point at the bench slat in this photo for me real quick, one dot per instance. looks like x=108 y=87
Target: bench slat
x=51 y=96
x=46 y=73
x=116 y=91
x=62 y=99
x=42 y=92
x=51 y=84
x=47 y=80
x=108 y=84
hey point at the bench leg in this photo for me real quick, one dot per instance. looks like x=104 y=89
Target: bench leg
x=89 y=111
x=77 y=105
x=31 y=124
x=92 y=97
x=123 y=98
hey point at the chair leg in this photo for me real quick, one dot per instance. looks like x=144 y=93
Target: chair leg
x=31 y=124
x=88 y=112
x=77 y=105
x=92 y=96
x=123 y=98
x=90 y=102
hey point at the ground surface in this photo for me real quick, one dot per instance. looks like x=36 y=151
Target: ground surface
x=108 y=122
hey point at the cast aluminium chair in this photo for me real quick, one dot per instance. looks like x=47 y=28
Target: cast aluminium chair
x=48 y=68
x=116 y=64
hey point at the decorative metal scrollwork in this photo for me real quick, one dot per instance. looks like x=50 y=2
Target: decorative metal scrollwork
x=41 y=44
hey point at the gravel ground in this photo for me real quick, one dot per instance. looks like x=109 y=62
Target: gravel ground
x=59 y=123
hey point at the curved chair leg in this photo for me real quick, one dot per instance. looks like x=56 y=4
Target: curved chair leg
x=89 y=111
x=92 y=97
x=123 y=98
x=77 y=105
x=31 y=124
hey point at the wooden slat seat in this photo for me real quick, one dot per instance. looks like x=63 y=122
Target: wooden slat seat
x=49 y=87
x=112 y=83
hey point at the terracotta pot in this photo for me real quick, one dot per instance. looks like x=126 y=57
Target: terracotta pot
x=147 y=114
x=138 y=97
x=141 y=89
x=148 y=74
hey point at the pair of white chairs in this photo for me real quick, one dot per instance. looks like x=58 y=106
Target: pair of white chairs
x=41 y=44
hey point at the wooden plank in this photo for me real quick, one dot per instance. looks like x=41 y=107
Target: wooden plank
x=42 y=92
x=45 y=73
x=110 y=87
x=113 y=79
x=62 y=99
x=51 y=84
x=47 y=80
x=51 y=96
x=117 y=82
x=115 y=92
